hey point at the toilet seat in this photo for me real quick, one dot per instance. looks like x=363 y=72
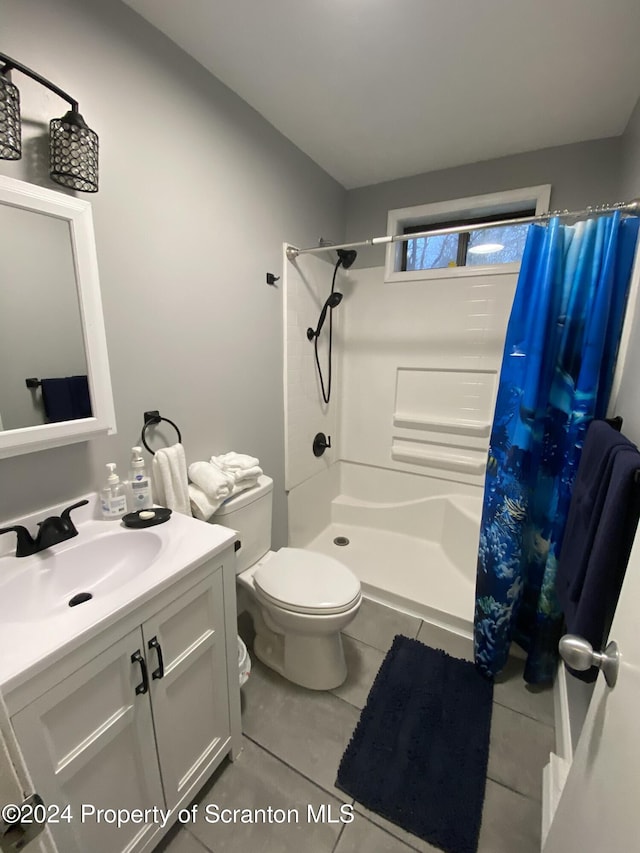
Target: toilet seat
x=307 y=582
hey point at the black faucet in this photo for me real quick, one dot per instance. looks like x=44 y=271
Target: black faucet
x=53 y=530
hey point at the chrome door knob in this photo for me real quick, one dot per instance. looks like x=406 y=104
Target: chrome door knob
x=578 y=653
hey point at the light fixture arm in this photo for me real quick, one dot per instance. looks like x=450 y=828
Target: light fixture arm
x=12 y=64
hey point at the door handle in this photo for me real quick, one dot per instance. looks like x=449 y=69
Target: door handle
x=14 y=834
x=159 y=672
x=578 y=653
x=143 y=687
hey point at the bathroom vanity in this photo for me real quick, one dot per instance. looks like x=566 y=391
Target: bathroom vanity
x=130 y=699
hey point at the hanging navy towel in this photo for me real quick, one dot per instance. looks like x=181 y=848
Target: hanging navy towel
x=601 y=444
x=80 y=398
x=66 y=399
x=603 y=516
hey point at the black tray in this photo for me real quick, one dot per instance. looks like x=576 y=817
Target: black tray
x=132 y=519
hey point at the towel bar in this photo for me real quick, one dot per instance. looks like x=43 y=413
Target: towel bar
x=151 y=419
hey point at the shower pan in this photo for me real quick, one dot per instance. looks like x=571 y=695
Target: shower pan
x=418 y=555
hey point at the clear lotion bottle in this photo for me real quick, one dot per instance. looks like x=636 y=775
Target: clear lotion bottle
x=113 y=498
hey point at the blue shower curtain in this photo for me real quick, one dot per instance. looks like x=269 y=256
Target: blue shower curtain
x=556 y=376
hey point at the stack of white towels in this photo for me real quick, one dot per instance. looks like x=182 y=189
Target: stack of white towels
x=211 y=483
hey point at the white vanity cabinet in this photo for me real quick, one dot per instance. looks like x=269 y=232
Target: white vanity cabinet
x=188 y=686
x=140 y=724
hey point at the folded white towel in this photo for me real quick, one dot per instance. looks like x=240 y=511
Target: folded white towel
x=233 y=460
x=169 y=471
x=243 y=485
x=248 y=474
x=215 y=483
x=202 y=506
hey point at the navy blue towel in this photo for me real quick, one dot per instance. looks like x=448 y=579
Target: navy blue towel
x=603 y=516
x=66 y=399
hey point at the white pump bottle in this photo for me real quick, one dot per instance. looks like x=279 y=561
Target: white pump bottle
x=139 y=482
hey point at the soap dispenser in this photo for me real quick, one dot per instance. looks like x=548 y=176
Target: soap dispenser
x=139 y=482
x=113 y=496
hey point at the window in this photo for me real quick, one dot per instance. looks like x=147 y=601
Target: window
x=476 y=251
x=503 y=244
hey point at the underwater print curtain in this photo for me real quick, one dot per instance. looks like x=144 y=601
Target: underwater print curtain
x=556 y=376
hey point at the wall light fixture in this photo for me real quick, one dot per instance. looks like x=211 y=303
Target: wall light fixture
x=73 y=146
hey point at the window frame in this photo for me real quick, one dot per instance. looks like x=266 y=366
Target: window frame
x=503 y=205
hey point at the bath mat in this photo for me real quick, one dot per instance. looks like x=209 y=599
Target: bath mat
x=418 y=755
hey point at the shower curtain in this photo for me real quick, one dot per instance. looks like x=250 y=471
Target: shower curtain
x=556 y=376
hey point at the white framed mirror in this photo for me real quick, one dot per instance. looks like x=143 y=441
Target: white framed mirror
x=55 y=386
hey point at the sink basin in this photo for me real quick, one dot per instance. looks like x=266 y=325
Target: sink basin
x=51 y=579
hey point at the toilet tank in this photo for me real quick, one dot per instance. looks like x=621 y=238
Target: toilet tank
x=249 y=512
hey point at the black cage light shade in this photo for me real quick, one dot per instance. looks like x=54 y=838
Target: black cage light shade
x=73 y=151
x=10 y=129
x=73 y=146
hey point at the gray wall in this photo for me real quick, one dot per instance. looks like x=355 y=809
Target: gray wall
x=580 y=174
x=630 y=160
x=197 y=194
x=629 y=399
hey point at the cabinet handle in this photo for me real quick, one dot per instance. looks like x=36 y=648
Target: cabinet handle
x=136 y=657
x=159 y=672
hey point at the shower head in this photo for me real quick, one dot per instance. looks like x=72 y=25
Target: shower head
x=332 y=302
x=346 y=257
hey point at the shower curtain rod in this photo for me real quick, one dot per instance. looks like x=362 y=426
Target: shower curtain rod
x=631 y=207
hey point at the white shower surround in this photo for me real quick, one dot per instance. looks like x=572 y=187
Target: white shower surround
x=415 y=377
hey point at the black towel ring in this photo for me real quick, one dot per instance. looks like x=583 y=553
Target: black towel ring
x=151 y=419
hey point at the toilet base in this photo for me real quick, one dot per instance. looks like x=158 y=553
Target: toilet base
x=304 y=649
x=314 y=662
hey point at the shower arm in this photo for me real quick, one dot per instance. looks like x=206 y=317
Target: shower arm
x=629 y=207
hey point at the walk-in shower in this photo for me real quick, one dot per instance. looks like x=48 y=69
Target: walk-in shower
x=412 y=528
x=416 y=368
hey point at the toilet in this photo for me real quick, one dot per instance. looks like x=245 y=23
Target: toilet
x=299 y=600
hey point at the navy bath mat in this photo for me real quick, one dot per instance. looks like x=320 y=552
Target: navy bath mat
x=418 y=755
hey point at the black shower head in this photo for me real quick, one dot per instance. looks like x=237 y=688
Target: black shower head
x=347 y=257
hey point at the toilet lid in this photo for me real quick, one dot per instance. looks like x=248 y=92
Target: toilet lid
x=307 y=582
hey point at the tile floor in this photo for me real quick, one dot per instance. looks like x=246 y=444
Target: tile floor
x=294 y=739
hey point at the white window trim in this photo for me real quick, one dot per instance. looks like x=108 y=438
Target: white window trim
x=472 y=206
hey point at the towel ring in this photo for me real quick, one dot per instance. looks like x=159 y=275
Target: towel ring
x=151 y=419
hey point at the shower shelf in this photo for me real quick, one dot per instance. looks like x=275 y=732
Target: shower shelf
x=460 y=427
x=449 y=462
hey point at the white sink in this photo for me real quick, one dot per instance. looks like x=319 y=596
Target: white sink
x=50 y=580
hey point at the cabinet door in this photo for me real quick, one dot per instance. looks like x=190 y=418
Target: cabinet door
x=189 y=693
x=89 y=741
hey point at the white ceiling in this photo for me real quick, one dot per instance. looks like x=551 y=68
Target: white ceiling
x=379 y=89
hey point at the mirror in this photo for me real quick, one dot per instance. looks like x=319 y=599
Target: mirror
x=55 y=386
